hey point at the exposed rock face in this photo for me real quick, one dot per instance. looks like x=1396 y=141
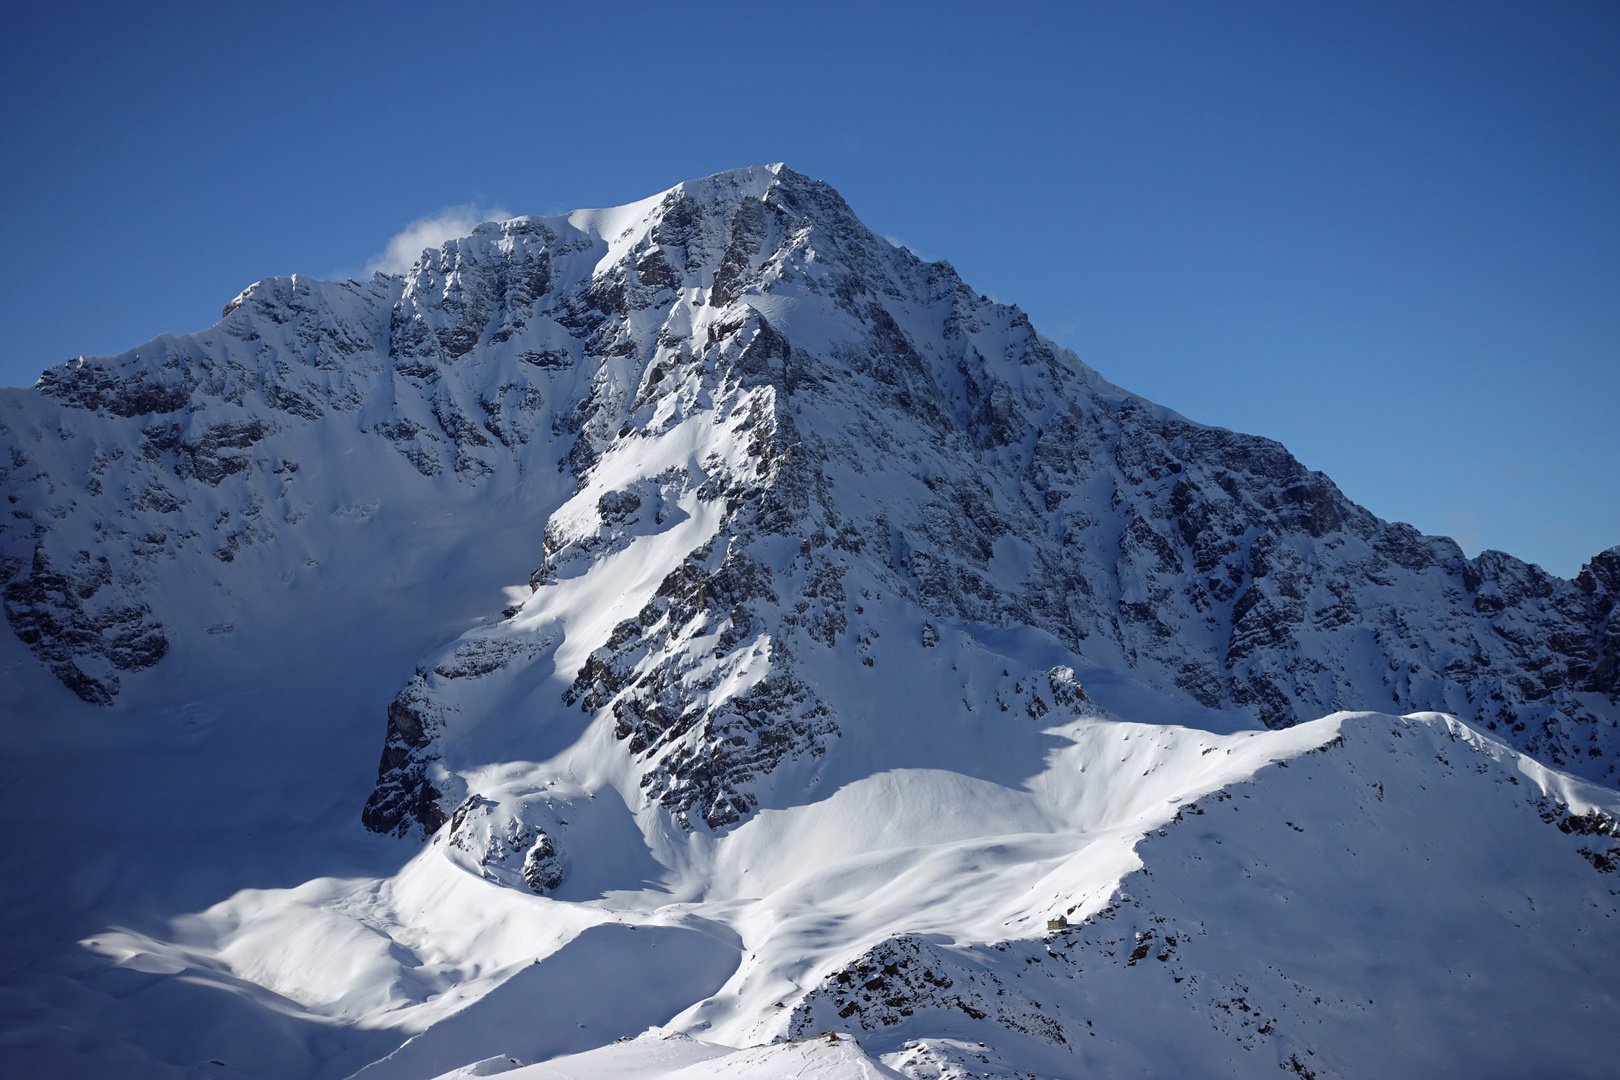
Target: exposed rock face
x=770 y=423
x=905 y=976
x=500 y=846
x=405 y=796
x=81 y=624
x=656 y=689
x=542 y=866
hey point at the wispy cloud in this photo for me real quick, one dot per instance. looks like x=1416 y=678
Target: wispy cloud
x=1464 y=528
x=408 y=244
x=899 y=243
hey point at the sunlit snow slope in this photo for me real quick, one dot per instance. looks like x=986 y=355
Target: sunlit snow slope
x=764 y=636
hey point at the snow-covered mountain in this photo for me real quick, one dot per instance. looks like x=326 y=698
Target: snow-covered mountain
x=732 y=582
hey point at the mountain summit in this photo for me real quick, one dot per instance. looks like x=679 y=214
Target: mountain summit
x=868 y=632
x=863 y=408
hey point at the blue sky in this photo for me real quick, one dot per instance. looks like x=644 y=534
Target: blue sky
x=1386 y=234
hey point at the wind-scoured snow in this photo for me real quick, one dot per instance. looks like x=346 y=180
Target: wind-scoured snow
x=764 y=636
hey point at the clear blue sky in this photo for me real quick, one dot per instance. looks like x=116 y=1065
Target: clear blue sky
x=1387 y=234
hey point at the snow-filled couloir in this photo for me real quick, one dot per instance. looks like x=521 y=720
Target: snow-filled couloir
x=773 y=637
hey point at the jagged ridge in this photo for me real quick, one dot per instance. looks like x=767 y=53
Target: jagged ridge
x=852 y=422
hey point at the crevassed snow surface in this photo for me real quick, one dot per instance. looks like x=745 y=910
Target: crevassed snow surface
x=784 y=662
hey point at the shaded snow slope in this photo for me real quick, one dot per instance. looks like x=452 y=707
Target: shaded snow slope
x=768 y=635
x=1363 y=895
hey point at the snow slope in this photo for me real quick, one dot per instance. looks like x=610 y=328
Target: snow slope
x=771 y=636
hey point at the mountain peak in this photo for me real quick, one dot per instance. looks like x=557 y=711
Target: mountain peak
x=1039 y=494
x=709 y=565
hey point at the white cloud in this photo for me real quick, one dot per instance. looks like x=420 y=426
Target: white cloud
x=899 y=243
x=430 y=232
x=1464 y=529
